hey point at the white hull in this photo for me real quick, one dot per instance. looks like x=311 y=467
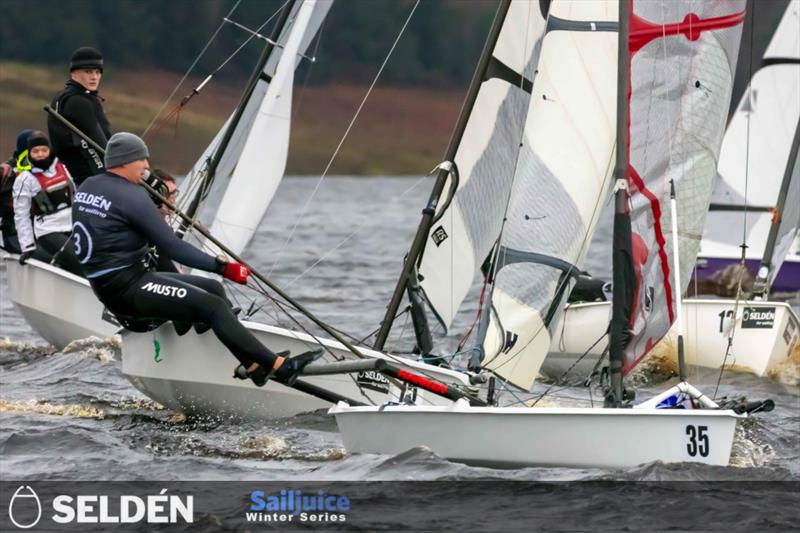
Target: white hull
x=194 y=374
x=513 y=437
x=758 y=345
x=58 y=305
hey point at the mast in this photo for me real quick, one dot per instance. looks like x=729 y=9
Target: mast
x=623 y=270
x=429 y=212
x=765 y=273
x=237 y=115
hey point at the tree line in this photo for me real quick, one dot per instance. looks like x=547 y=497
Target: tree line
x=143 y=34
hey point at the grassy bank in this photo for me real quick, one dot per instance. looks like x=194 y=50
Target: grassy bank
x=399 y=130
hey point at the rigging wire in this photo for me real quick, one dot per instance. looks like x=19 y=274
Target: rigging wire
x=194 y=63
x=178 y=108
x=743 y=246
x=344 y=137
x=322 y=258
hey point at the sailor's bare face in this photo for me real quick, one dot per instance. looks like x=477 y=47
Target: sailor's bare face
x=88 y=77
x=37 y=153
x=134 y=171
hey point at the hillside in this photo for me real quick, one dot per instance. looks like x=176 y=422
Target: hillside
x=399 y=131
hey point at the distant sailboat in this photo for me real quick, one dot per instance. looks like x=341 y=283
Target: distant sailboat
x=758 y=189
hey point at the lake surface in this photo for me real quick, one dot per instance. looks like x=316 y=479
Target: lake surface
x=73 y=415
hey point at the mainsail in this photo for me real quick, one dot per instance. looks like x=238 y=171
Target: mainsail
x=252 y=162
x=755 y=156
x=468 y=222
x=682 y=60
x=559 y=186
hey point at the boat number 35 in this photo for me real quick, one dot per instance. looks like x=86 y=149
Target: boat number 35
x=698 y=440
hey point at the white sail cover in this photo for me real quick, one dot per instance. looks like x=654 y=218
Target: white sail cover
x=261 y=135
x=463 y=237
x=755 y=154
x=559 y=188
x=683 y=58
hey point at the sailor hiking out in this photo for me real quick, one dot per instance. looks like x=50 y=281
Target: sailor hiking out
x=114 y=223
x=42 y=207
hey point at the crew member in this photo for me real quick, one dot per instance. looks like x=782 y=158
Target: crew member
x=80 y=104
x=115 y=221
x=44 y=194
x=8 y=174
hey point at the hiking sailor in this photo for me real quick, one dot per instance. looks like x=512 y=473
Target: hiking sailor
x=44 y=193
x=80 y=104
x=115 y=221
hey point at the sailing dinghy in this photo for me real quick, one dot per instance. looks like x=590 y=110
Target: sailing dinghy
x=758 y=191
x=61 y=307
x=675 y=131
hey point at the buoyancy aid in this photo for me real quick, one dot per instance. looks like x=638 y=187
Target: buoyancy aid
x=56 y=191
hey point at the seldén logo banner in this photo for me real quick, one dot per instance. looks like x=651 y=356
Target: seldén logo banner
x=449 y=505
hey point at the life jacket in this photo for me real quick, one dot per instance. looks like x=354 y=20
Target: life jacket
x=56 y=193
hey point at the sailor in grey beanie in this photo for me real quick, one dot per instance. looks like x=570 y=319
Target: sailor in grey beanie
x=124 y=148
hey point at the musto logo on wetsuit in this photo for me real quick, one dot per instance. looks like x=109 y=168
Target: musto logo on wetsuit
x=164 y=290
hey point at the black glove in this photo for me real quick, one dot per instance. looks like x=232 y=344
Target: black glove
x=158 y=185
x=24 y=256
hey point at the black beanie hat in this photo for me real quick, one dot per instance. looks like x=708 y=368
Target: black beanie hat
x=37 y=138
x=86 y=57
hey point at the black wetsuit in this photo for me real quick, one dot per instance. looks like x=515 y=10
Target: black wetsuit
x=114 y=223
x=84 y=108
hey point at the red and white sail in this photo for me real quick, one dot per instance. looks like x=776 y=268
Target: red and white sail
x=682 y=63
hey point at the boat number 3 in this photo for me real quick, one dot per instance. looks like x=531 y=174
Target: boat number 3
x=82 y=242
x=722 y=315
x=698 y=440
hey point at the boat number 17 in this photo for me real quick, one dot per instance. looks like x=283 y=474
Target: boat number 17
x=722 y=315
x=698 y=441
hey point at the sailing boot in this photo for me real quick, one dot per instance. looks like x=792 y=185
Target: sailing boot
x=260 y=375
x=292 y=367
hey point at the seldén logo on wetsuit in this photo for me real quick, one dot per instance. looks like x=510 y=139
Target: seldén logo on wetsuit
x=164 y=290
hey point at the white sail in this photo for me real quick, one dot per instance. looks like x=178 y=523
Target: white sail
x=468 y=227
x=755 y=154
x=560 y=185
x=270 y=162
x=683 y=58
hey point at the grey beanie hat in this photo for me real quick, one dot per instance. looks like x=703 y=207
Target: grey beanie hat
x=123 y=147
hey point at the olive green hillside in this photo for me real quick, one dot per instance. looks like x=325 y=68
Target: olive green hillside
x=400 y=130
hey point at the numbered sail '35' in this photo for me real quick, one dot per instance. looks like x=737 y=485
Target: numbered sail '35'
x=682 y=61
x=560 y=183
x=468 y=224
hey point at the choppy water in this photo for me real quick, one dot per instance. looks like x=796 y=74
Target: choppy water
x=73 y=415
